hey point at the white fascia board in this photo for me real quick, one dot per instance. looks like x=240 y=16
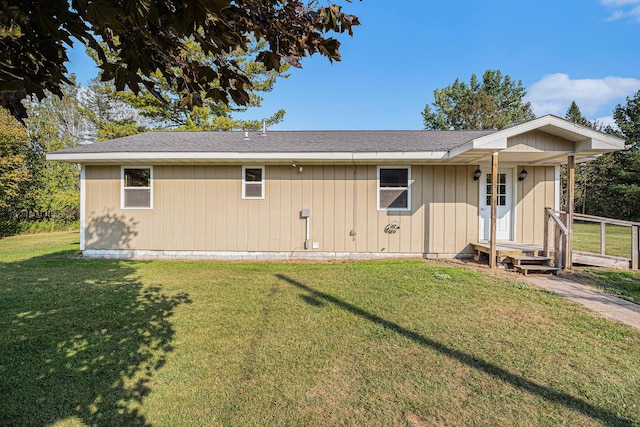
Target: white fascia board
x=200 y=156
x=498 y=140
x=599 y=145
x=461 y=149
x=607 y=141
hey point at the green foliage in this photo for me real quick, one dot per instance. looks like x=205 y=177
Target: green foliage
x=166 y=108
x=148 y=39
x=496 y=102
x=14 y=144
x=574 y=115
x=33 y=190
x=108 y=117
x=609 y=186
x=625 y=284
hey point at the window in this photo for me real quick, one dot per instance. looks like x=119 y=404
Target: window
x=394 y=192
x=136 y=187
x=502 y=189
x=253 y=182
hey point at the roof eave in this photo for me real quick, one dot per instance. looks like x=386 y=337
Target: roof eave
x=237 y=157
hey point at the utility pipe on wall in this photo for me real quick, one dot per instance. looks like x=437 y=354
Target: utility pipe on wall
x=306 y=214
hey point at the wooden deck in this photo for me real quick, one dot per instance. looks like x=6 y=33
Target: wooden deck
x=505 y=251
x=524 y=257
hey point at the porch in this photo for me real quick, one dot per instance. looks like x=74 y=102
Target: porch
x=523 y=257
x=549 y=142
x=554 y=254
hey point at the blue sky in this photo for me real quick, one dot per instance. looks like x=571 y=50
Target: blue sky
x=562 y=50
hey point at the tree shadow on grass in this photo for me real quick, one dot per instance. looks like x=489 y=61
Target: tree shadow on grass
x=79 y=339
x=554 y=396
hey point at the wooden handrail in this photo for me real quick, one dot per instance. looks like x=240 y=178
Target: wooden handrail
x=553 y=215
x=612 y=221
x=560 y=226
x=560 y=238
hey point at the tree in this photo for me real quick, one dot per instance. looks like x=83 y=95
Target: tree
x=180 y=113
x=52 y=194
x=584 y=179
x=148 y=38
x=626 y=173
x=108 y=116
x=495 y=103
x=609 y=186
x=574 y=115
x=14 y=144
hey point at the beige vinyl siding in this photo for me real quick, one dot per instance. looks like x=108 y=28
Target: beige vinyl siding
x=200 y=208
x=451 y=196
x=534 y=193
x=537 y=141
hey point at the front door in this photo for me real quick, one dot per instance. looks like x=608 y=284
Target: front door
x=505 y=208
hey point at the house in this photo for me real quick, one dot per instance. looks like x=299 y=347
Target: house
x=324 y=194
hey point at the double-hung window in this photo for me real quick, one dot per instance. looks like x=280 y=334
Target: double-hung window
x=253 y=182
x=137 y=190
x=394 y=191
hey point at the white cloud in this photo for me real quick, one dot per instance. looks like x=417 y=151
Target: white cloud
x=554 y=92
x=623 y=9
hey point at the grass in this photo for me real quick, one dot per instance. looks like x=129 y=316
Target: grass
x=586 y=237
x=98 y=342
x=625 y=284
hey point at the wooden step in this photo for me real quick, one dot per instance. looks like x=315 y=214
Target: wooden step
x=529 y=260
x=524 y=269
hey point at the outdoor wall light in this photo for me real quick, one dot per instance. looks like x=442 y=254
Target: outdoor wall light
x=523 y=174
x=476 y=174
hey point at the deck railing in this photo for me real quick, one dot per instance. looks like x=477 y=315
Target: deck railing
x=634 y=226
x=561 y=233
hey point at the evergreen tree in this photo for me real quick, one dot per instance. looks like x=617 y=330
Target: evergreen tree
x=609 y=186
x=496 y=102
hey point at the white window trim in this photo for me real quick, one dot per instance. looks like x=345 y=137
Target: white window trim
x=408 y=188
x=122 y=187
x=244 y=187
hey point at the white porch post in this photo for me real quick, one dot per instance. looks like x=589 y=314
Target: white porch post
x=494 y=210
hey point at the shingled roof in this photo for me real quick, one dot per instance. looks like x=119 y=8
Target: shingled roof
x=332 y=147
x=283 y=142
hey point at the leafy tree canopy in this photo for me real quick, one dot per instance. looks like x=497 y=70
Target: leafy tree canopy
x=609 y=186
x=14 y=143
x=197 y=111
x=496 y=102
x=148 y=38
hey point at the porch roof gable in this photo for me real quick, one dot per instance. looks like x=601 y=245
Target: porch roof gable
x=585 y=143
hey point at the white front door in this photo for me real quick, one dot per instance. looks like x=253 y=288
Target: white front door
x=505 y=208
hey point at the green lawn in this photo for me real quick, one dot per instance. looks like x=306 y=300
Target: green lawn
x=96 y=342
x=625 y=284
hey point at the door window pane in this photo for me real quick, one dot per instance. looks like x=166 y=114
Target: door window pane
x=502 y=189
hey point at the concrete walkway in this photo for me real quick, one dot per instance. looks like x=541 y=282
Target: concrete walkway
x=608 y=305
